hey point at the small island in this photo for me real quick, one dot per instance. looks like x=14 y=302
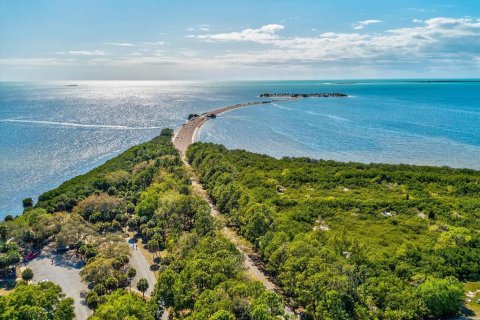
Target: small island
x=304 y=95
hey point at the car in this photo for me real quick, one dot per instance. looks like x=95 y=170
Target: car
x=43 y=281
x=62 y=249
x=31 y=255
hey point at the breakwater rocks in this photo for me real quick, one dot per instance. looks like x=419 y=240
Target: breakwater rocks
x=304 y=95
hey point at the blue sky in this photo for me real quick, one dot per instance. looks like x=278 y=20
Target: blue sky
x=230 y=40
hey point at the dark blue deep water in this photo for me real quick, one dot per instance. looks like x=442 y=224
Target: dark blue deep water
x=50 y=132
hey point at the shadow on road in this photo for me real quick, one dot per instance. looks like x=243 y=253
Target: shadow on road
x=68 y=260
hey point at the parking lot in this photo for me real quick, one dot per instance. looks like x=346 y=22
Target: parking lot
x=64 y=270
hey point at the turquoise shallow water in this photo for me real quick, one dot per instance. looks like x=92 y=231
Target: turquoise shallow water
x=50 y=132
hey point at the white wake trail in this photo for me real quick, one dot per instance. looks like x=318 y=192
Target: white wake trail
x=80 y=125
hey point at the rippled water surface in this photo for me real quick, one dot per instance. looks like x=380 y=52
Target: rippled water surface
x=53 y=131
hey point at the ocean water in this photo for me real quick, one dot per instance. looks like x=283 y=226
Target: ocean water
x=413 y=122
x=50 y=132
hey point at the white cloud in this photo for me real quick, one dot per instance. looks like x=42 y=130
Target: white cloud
x=432 y=44
x=120 y=44
x=203 y=27
x=37 y=61
x=362 y=24
x=86 y=53
x=264 y=34
x=153 y=43
x=189 y=53
x=434 y=37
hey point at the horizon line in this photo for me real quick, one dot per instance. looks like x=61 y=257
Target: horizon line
x=252 y=80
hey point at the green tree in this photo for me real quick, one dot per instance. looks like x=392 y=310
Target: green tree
x=133 y=223
x=34 y=302
x=259 y=218
x=9 y=255
x=111 y=283
x=100 y=289
x=98 y=270
x=121 y=305
x=204 y=223
x=27 y=274
x=441 y=297
x=27 y=203
x=131 y=273
x=92 y=299
x=65 y=310
x=164 y=289
x=153 y=245
x=142 y=286
x=222 y=315
x=27 y=312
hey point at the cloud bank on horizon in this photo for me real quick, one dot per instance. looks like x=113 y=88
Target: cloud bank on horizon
x=421 y=45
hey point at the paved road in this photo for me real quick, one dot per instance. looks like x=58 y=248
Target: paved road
x=140 y=263
x=185 y=136
x=65 y=271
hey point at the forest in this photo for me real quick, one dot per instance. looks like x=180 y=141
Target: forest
x=351 y=240
x=146 y=191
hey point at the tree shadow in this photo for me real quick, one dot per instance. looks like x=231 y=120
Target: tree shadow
x=467 y=312
x=68 y=260
x=7 y=284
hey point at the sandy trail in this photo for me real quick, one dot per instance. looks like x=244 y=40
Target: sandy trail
x=184 y=137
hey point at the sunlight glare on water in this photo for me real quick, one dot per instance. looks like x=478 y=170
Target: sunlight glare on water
x=52 y=131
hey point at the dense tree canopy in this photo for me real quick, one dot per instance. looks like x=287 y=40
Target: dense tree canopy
x=122 y=305
x=205 y=276
x=146 y=190
x=350 y=240
x=32 y=302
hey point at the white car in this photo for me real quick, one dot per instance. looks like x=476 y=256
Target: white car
x=43 y=281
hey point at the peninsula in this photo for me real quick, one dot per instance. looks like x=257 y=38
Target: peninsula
x=185 y=135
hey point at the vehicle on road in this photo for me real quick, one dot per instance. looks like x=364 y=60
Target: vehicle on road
x=30 y=256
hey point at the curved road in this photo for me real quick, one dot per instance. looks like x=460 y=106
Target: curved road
x=185 y=136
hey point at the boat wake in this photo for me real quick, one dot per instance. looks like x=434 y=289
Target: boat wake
x=77 y=125
x=281 y=107
x=333 y=117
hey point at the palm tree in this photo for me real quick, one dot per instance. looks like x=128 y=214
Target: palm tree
x=131 y=274
x=154 y=246
x=142 y=286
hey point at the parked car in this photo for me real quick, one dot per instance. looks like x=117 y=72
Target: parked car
x=62 y=249
x=31 y=255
